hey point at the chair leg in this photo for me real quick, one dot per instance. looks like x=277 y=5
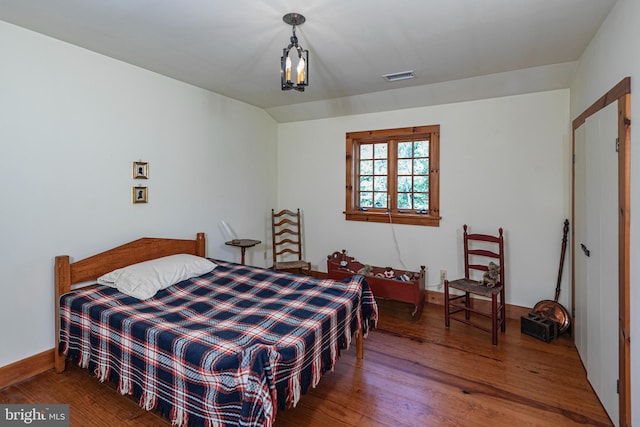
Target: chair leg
x=467 y=303
x=503 y=311
x=494 y=319
x=446 y=303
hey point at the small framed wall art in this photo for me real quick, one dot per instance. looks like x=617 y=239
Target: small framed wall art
x=140 y=170
x=140 y=194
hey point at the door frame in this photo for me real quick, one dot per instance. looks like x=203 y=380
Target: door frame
x=622 y=94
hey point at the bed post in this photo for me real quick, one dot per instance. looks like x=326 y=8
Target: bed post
x=201 y=249
x=62 y=279
x=359 y=344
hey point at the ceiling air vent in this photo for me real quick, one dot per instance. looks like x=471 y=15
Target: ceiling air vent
x=394 y=77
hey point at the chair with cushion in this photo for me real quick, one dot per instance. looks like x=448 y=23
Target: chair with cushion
x=286 y=229
x=484 y=276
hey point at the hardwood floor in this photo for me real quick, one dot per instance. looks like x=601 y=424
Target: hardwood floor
x=413 y=374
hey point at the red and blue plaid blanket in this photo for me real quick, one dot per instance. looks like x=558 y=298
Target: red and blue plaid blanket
x=226 y=348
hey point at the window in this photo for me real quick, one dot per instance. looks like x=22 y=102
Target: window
x=393 y=176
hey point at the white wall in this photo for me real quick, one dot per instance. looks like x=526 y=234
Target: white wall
x=71 y=124
x=609 y=58
x=503 y=163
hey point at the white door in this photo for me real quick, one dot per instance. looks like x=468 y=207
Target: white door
x=596 y=254
x=581 y=312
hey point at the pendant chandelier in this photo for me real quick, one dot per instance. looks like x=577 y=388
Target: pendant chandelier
x=301 y=78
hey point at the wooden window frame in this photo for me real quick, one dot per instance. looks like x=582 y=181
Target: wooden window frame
x=354 y=213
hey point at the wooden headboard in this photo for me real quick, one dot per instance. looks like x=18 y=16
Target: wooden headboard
x=89 y=269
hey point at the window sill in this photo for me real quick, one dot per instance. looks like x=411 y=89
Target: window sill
x=396 y=218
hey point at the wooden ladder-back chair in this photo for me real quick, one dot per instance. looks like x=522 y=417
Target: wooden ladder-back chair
x=484 y=275
x=286 y=229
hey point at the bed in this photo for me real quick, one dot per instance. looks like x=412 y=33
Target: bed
x=228 y=347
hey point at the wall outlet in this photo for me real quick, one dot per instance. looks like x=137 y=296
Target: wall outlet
x=443 y=277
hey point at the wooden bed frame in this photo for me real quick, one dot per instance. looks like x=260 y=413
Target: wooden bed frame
x=89 y=269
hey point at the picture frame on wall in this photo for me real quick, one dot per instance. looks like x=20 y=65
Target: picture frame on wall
x=140 y=194
x=140 y=170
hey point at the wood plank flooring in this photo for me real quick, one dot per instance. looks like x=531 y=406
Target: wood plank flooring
x=413 y=374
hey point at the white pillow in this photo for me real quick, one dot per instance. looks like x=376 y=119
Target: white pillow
x=144 y=279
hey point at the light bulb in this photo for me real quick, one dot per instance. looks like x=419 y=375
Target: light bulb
x=300 y=69
x=288 y=69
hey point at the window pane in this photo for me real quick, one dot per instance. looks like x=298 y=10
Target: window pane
x=404 y=150
x=380 y=151
x=366 y=151
x=380 y=183
x=421 y=201
x=380 y=200
x=421 y=183
x=366 y=183
x=366 y=199
x=404 y=183
x=421 y=149
x=404 y=201
x=366 y=167
x=404 y=167
x=421 y=166
x=380 y=167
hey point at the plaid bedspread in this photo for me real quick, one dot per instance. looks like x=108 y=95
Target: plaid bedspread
x=226 y=348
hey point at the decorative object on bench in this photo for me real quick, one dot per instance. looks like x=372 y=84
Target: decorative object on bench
x=478 y=249
x=366 y=270
x=385 y=282
x=491 y=277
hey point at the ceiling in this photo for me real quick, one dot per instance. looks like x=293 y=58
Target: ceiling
x=233 y=47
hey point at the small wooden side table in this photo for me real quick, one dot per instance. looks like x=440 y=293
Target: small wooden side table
x=243 y=244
